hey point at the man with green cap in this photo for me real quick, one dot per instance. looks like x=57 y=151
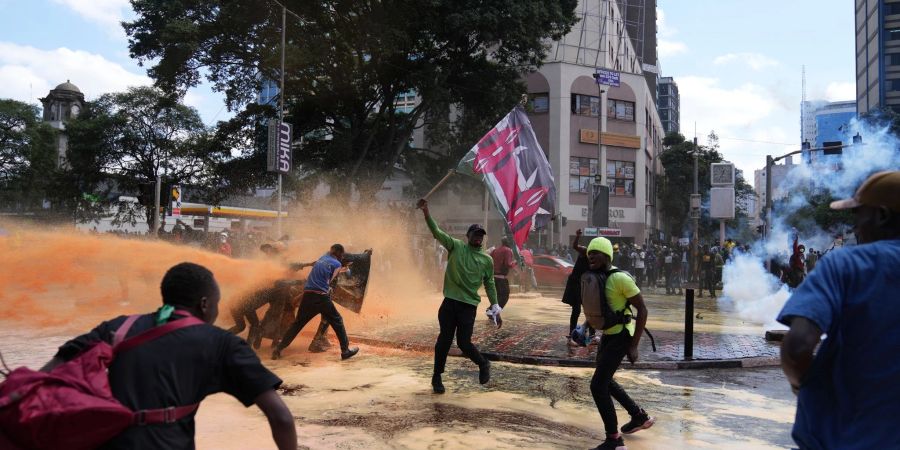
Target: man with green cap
x=618 y=341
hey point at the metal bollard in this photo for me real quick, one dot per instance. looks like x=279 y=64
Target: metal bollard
x=688 y=324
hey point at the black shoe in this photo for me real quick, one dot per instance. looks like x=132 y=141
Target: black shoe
x=436 y=384
x=347 y=354
x=642 y=421
x=484 y=372
x=276 y=354
x=612 y=444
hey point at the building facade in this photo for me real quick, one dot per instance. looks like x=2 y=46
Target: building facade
x=567 y=107
x=669 y=105
x=877 y=55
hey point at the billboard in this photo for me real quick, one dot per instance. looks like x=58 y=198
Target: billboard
x=278 y=157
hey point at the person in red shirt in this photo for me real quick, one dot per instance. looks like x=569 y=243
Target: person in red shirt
x=503 y=263
x=224 y=246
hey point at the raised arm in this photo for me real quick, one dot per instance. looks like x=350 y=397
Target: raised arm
x=436 y=231
x=578 y=248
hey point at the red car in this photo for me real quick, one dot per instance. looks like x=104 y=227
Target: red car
x=551 y=271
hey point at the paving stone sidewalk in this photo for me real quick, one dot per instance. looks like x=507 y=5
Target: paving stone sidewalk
x=535 y=343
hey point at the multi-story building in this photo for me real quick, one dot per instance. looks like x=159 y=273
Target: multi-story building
x=825 y=123
x=669 y=105
x=877 y=55
x=568 y=107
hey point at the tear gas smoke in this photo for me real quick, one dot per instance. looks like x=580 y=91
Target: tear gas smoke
x=756 y=294
x=56 y=277
x=757 y=301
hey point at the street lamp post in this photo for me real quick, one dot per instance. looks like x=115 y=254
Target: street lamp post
x=281 y=107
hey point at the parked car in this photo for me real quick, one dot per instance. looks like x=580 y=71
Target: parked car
x=551 y=271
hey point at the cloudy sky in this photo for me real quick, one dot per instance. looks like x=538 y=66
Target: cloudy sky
x=737 y=63
x=738 y=67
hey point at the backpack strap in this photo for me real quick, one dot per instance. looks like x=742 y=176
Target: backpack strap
x=171 y=414
x=156 y=332
x=160 y=415
x=122 y=331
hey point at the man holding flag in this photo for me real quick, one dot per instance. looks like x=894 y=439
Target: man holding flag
x=468 y=266
x=516 y=172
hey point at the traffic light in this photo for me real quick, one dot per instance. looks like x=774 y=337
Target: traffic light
x=564 y=220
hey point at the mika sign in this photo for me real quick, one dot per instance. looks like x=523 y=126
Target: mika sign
x=278 y=157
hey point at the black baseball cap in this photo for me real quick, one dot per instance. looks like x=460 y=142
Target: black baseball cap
x=475 y=228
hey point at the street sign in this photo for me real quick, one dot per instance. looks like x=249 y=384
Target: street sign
x=278 y=157
x=607 y=77
x=609 y=232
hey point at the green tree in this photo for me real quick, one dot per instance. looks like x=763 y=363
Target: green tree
x=128 y=138
x=28 y=155
x=346 y=64
x=677 y=184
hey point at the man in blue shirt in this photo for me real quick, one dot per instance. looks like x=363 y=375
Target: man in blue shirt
x=847 y=392
x=317 y=300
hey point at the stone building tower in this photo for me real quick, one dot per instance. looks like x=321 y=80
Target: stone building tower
x=63 y=103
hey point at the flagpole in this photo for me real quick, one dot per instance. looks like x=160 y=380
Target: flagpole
x=443 y=181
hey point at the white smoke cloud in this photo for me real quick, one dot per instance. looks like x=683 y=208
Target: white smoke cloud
x=757 y=295
x=754 y=292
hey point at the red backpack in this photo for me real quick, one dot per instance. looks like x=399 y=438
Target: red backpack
x=72 y=406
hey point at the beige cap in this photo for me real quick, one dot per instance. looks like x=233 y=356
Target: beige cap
x=880 y=189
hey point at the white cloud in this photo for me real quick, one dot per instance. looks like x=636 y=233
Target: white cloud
x=27 y=73
x=108 y=13
x=748 y=112
x=667 y=46
x=667 y=49
x=755 y=61
x=840 y=91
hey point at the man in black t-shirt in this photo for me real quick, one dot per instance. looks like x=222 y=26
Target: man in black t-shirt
x=184 y=366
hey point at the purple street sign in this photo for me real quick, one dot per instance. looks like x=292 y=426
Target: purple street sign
x=607 y=77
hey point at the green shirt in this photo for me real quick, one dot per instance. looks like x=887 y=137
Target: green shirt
x=619 y=288
x=467 y=268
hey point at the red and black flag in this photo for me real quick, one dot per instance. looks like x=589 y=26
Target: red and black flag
x=516 y=172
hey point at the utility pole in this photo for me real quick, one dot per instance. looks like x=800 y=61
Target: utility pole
x=281 y=107
x=156 y=195
x=696 y=238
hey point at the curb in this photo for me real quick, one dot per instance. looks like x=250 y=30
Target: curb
x=737 y=363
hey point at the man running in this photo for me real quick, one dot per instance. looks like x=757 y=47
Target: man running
x=468 y=266
x=317 y=301
x=618 y=342
x=503 y=263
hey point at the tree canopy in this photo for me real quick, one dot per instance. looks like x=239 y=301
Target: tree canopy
x=123 y=140
x=677 y=184
x=346 y=65
x=28 y=154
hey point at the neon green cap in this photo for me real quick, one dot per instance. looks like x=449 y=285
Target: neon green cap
x=602 y=245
